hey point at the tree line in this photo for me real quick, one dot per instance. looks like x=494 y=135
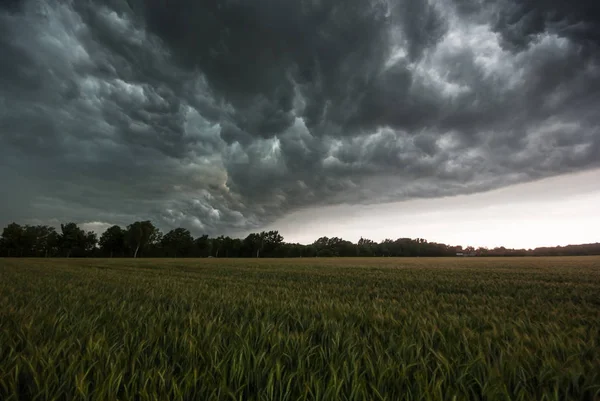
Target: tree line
x=143 y=239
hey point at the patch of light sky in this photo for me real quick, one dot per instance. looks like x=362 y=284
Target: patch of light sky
x=556 y=211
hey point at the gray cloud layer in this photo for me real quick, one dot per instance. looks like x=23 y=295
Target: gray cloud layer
x=221 y=116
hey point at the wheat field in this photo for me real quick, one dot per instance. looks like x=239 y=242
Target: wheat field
x=300 y=329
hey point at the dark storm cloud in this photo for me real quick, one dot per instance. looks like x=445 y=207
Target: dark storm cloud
x=520 y=21
x=224 y=115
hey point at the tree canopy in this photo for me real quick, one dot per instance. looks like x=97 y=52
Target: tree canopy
x=143 y=239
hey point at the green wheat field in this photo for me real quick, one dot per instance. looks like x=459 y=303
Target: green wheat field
x=300 y=329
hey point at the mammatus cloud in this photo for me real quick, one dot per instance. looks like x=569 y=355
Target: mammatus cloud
x=221 y=116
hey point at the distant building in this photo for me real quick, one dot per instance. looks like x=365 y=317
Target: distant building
x=460 y=254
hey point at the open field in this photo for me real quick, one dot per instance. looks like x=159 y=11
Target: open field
x=300 y=329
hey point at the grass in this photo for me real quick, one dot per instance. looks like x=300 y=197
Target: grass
x=300 y=329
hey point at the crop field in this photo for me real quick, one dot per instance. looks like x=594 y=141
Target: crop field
x=300 y=329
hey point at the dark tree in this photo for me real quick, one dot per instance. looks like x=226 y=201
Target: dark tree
x=203 y=246
x=253 y=244
x=12 y=240
x=141 y=234
x=264 y=243
x=366 y=247
x=217 y=245
x=271 y=240
x=41 y=240
x=74 y=241
x=232 y=247
x=112 y=241
x=178 y=243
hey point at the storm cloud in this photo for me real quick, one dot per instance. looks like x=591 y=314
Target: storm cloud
x=222 y=116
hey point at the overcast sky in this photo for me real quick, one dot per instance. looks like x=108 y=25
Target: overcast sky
x=394 y=118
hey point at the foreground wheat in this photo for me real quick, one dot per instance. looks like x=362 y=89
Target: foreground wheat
x=323 y=329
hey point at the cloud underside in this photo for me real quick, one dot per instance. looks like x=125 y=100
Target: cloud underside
x=222 y=116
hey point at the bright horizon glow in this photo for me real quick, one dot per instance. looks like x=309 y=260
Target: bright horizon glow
x=555 y=211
